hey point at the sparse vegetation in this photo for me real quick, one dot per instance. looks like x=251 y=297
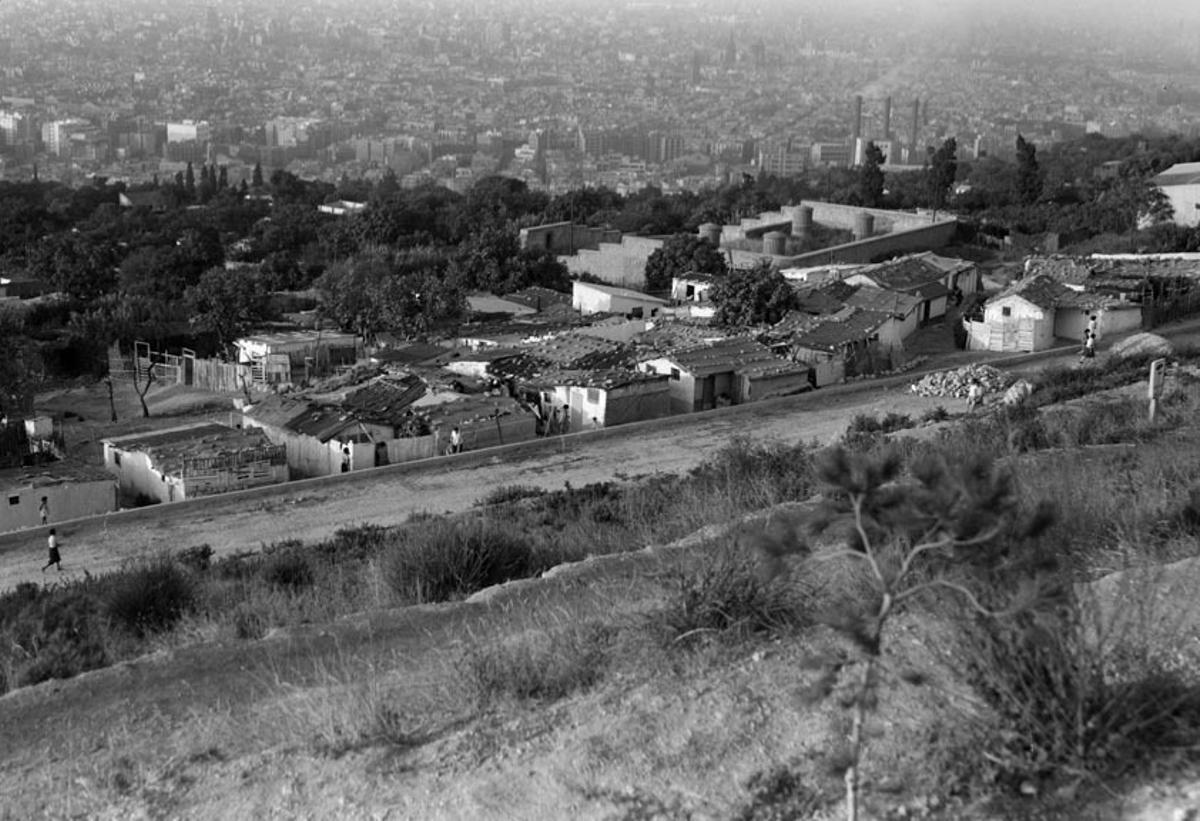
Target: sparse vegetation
x=539 y=665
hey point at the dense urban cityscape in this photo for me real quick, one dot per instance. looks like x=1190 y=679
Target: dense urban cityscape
x=562 y=95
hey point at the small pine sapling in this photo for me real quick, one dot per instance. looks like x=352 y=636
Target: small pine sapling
x=935 y=528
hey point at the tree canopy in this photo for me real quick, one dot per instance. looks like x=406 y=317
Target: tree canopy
x=753 y=296
x=682 y=254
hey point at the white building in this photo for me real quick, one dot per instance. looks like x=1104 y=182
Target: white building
x=592 y=298
x=56 y=134
x=189 y=131
x=1181 y=185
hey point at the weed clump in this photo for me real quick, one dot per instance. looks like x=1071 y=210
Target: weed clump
x=540 y=666
x=151 y=598
x=449 y=559
x=727 y=591
x=55 y=634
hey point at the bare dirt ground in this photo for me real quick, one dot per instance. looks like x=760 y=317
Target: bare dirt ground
x=229 y=729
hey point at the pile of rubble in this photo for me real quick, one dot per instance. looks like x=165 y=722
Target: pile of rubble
x=955 y=383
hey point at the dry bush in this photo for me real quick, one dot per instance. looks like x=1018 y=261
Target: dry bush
x=540 y=664
x=728 y=590
x=1097 y=687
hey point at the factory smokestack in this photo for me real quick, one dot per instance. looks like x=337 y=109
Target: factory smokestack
x=857 y=132
x=887 y=118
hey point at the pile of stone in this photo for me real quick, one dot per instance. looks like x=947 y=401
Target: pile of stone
x=955 y=383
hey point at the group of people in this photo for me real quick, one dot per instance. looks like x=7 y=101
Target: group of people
x=1088 y=351
x=55 y=558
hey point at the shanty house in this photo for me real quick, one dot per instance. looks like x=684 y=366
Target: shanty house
x=72 y=491
x=840 y=346
x=726 y=372
x=193 y=460
x=295 y=356
x=908 y=276
x=592 y=298
x=901 y=311
x=601 y=399
x=374 y=426
x=1020 y=318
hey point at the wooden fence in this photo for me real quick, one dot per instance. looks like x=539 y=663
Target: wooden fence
x=183 y=368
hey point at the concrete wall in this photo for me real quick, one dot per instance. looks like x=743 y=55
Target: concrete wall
x=566 y=237
x=622 y=264
x=136 y=474
x=836 y=215
x=66 y=500
x=1185 y=199
x=1070 y=323
x=924 y=238
x=635 y=402
x=768 y=387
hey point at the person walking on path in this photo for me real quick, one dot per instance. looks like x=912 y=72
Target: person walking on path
x=55 y=558
x=44 y=510
x=455 y=441
x=1093 y=323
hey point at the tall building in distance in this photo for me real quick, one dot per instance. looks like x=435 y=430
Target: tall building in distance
x=856 y=129
x=695 y=68
x=759 y=52
x=887 y=119
x=730 y=51
x=914 y=127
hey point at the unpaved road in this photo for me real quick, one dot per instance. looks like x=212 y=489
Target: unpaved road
x=312 y=512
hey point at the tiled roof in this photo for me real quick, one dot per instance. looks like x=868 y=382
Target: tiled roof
x=724 y=356
x=1040 y=290
x=385 y=400
x=834 y=334
x=819 y=301
x=885 y=300
x=913 y=274
x=1068 y=270
x=539 y=298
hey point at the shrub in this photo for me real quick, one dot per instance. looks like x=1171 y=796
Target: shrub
x=938 y=414
x=753 y=475
x=198 y=557
x=1080 y=691
x=355 y=543
x=511 y=493
x=249 y=622
x=728 y=591
x=288 y=566
x=151 y=598
x=58 y=635
x=452 y=558
x=780 y=794
x=540 y=666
